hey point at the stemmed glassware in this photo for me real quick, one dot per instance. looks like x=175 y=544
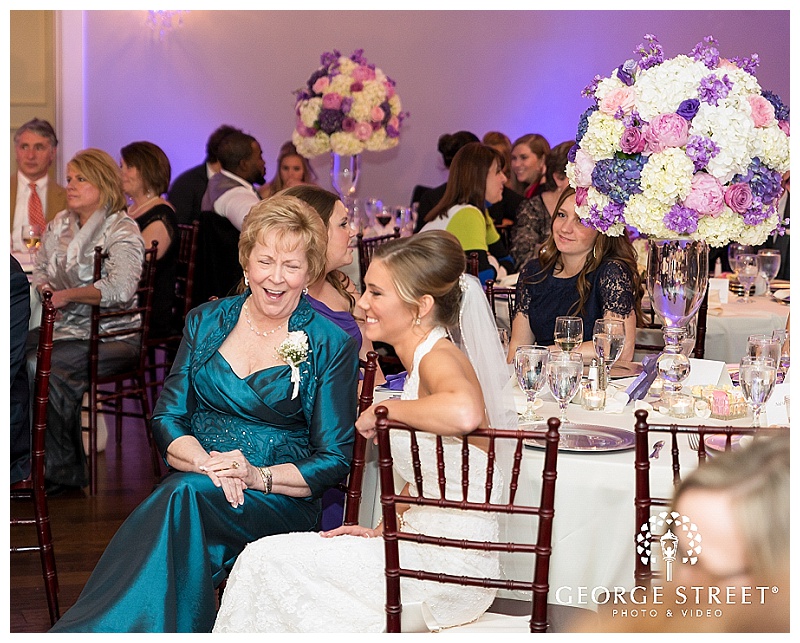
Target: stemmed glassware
x=757 y=377
x=767 y=346
x=372 y=208
x=609 y=340
x=734 y=250
x=568 y=333
x=529 y=365
x=747 y=272
x=564 y=373
x=769 y=263
x=31 y=237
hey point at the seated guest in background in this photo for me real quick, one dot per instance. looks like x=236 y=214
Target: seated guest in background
x=230 y=192
x=475 y=182
x=534 y=214
x=35 y=147
x=528 y=163
x=579 y=272
x=293 y=169
x=448 y=145
x=252 y=438
x=95 y=216
x=781 y=241
x=19 y=402
x=145 y=177
x=186 y=193
x=504 y=212
x=334 y=582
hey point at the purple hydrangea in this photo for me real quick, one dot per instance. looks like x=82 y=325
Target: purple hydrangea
x=603 y=219
x=713 y=89
x=748 y=65
x=701 y=150
x=347 y=103
x=755 y=215
x=681 y=219
x=626 y=71
x=781 y=110
x=328 y=58
x=583 y=122
x=765 y=184
x=707 y=52
x=688 y=108
x=650 y=51
x=330 y=120
x=572 y=152
x=358 y=57
x=619 y=177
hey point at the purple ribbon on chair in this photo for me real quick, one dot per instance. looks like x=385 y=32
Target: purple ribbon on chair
x=396 y=382
x=639 y=387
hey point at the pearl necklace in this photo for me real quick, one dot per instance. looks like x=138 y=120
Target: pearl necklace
x=250 y=322
x=135 y=210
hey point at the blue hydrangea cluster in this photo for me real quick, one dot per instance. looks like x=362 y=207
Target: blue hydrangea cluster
x=681 y=219
x=583 y=122
x=765 y=184
x=781 y=110
x=619 y=177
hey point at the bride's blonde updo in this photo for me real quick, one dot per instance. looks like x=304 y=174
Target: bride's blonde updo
x=427 y=263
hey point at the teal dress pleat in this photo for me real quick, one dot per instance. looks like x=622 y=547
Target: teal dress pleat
x=160 y=571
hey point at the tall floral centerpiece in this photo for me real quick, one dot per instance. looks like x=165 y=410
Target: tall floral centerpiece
x=347 y=106
x=689 y=151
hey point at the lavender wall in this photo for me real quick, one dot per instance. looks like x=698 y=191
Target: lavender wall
x=513 y=71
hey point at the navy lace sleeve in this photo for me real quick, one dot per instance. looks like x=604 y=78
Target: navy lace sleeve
x=615 y=284
x=523 y=296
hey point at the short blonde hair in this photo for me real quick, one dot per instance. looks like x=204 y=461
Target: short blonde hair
x=102 y=172
x=289 y=223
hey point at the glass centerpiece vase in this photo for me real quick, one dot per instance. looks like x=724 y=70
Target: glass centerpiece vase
x=344 y=176
x=677 y=277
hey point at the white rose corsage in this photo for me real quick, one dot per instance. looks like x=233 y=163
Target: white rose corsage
x=294 y=350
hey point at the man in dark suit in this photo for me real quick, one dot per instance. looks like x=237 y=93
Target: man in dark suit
x=19 y=405
x=187 y=190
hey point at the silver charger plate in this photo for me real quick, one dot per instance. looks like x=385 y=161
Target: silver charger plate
x=588 y=438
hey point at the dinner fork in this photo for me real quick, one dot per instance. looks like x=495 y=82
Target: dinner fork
x=694 y=441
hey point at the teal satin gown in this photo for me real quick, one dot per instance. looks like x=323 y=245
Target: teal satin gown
x=160 y=571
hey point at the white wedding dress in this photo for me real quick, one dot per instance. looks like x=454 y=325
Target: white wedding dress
x=301 y=582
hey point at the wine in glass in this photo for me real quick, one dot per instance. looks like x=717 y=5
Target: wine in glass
x=31 y=237
x=384 y=216
x=769 y=262
x=747 y=272
x=529 y=365
x=372 y=208
x=609 y=340
x=568 y=333
x=564 y=373
x=757 y=377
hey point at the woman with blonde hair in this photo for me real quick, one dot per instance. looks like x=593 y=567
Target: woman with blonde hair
x=293 y=169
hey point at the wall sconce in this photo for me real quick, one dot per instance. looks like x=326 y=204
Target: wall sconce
x=165 y=21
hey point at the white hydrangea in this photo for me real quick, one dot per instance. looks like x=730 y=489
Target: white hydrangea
x=602 y=137
x=345 y=144
x=755 y=235
x=771 y=145
x=667 y=176
x=346 y=66
x=607 y=85
x=720 y=230
x=361 y=108
x=731 y=129
x=661 y=89
x=309 y=111
x=395 y=105
x=310 y=146
x=340 y=84
x=379 y=141
x=647 y=216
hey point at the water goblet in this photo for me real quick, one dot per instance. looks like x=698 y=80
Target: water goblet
x=769 y=262
x=608 y=337
x=564 y=373
x=764 y=346
x=747 y=273
x=734 y=250
x=568 y=333
x=529 y=365
x=757 y=377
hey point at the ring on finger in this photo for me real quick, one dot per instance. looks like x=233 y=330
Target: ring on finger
x=235 y=464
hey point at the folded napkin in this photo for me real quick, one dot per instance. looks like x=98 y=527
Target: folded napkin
x=714 y=303
x=617 y=402
x=641 y=385
x=396 y=382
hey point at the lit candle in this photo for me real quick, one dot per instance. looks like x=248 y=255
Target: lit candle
x=680 y=406
x=594 y=400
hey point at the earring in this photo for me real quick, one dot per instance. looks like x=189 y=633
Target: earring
x=594 y=251
x=305 y=290
x=417 y=321
x=246 y=281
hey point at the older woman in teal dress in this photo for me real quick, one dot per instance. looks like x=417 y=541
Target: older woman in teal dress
x=253 y=439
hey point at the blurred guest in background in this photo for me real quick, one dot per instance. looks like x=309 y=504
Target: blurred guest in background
x=19 y=402
x=186 y=193
x=528 y=163
x=145 y=178
x=293 y=169
x=504 y=212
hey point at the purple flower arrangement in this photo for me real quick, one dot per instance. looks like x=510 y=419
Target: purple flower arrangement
x=684 y=146
x=347 y=106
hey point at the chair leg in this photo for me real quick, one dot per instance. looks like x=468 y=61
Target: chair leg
x=92 y=455
x=118 y=402
x=146 y=416
x=47 y=554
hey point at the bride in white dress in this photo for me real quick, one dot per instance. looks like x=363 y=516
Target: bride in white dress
x=416 y=300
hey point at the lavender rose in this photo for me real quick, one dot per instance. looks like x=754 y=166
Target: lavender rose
x=739 y=197
x=333 y=100
x=666 y=130
x=632 y=141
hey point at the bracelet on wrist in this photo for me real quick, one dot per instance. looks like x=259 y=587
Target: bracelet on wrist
x=266 y=478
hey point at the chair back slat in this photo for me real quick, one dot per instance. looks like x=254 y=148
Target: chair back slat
x=187 y=258
x=366 y=249
x=495 y=292
x=540 y=544
x=473 y=264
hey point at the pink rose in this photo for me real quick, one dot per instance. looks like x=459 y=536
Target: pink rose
x=376 y=114
x=348 y=124
x=321 y=84
x=739 y=197
x=632 y=141
x=622 y=98
x=761 y=110
x=666 y=130
x=784 y=127
x=362 y=73
x=332 y=101
x=724 y=63
x=581 y=194
x=706 y=195
x=389 y=90
x=363 y=131
x=394 y=122
x=583 y=169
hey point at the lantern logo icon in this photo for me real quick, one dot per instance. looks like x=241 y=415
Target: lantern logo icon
x=669 y=524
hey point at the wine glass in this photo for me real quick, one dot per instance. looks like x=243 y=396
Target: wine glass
x=734 y=250
x=747 y=272
x=568 y=333
x=372 y=207
x=384 y=217
x=609 y=340
x=529 y=365
x=564 y=373
x=769 y=262
x=31 y=237
x=757 y=377
x=344 y=174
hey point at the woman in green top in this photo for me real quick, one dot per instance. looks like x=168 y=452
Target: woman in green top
x=476 y=181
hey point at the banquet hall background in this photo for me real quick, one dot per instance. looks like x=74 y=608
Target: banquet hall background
x=116 y=79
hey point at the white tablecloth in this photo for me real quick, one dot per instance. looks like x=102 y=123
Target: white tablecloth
x=593 y=528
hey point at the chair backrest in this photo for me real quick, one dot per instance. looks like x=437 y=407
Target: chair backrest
x=493 y=293
x=187 y=259
x=432 y=494
x=218 y=271
x=366 y=248
x=356 y=478
x=41 y=388
x=143 y=309
x=680 y=437
x=473 y=264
